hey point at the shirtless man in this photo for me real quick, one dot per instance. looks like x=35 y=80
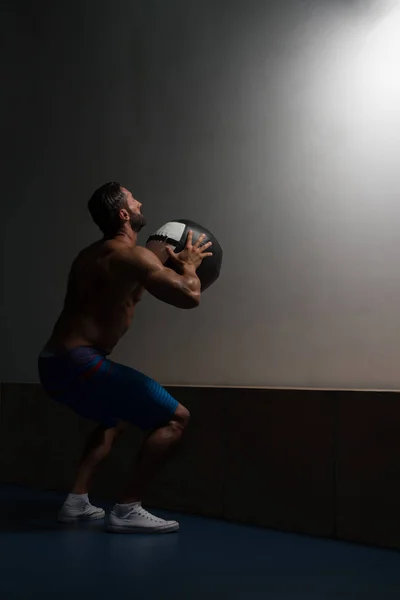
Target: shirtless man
x=106 y=281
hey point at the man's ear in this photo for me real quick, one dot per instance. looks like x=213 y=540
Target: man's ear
x=124 y=215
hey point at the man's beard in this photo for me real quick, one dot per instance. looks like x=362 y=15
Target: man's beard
x=137 y=221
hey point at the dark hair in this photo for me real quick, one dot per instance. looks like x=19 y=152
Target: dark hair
x=105 y=205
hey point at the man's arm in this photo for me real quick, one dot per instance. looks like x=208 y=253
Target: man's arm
x=179 y=289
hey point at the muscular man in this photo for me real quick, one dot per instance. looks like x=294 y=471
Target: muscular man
x=106 y=281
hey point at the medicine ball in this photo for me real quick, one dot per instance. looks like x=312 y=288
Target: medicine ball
x=175 y=234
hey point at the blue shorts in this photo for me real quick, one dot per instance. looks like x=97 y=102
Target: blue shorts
x=101 y=390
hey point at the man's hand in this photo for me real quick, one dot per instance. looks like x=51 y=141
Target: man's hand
x=192 y=255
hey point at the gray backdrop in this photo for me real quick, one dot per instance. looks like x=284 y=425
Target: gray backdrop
x=275 y=124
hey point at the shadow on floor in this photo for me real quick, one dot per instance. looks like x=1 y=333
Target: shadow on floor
x=35 y=512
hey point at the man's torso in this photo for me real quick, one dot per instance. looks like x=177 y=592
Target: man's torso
x=100 y=300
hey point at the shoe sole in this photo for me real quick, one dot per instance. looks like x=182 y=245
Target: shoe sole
x=82 y=519
x=125 y=529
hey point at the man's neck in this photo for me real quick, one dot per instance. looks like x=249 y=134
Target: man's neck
x=127 y=236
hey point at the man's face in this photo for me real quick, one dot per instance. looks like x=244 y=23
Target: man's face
x=137 y=220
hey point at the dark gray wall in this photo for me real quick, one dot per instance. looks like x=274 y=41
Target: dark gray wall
x=274 y=124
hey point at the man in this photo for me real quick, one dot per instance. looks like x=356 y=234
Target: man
x=106 y=281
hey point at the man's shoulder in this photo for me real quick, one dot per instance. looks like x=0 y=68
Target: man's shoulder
x=119 y=254
x=101 y=251
x=126 y=252
x=137 y=258
x=142 y=252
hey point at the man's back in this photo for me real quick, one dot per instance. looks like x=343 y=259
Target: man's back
x=100 y=299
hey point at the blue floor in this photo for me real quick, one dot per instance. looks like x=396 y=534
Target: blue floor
x=207 y=559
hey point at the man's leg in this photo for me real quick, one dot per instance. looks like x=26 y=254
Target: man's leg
x=98 y=446
x=128 y=515
x=117 y=391
x=153 y=454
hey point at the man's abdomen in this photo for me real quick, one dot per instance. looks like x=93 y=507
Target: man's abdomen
x=100 y=332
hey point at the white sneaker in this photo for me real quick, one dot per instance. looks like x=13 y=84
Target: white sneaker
x=81 y=512
x=136 y=519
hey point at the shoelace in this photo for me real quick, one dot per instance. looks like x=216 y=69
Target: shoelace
x=141 y=512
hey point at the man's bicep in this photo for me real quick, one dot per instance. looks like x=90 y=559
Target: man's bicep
x=140 y=263
x=151 y=273
x=162 y=283
x=167 y=286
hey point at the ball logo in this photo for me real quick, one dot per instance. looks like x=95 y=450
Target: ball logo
x=170 y=231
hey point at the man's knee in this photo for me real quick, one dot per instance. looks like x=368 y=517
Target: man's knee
x=106 y=437
x=182 y=416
